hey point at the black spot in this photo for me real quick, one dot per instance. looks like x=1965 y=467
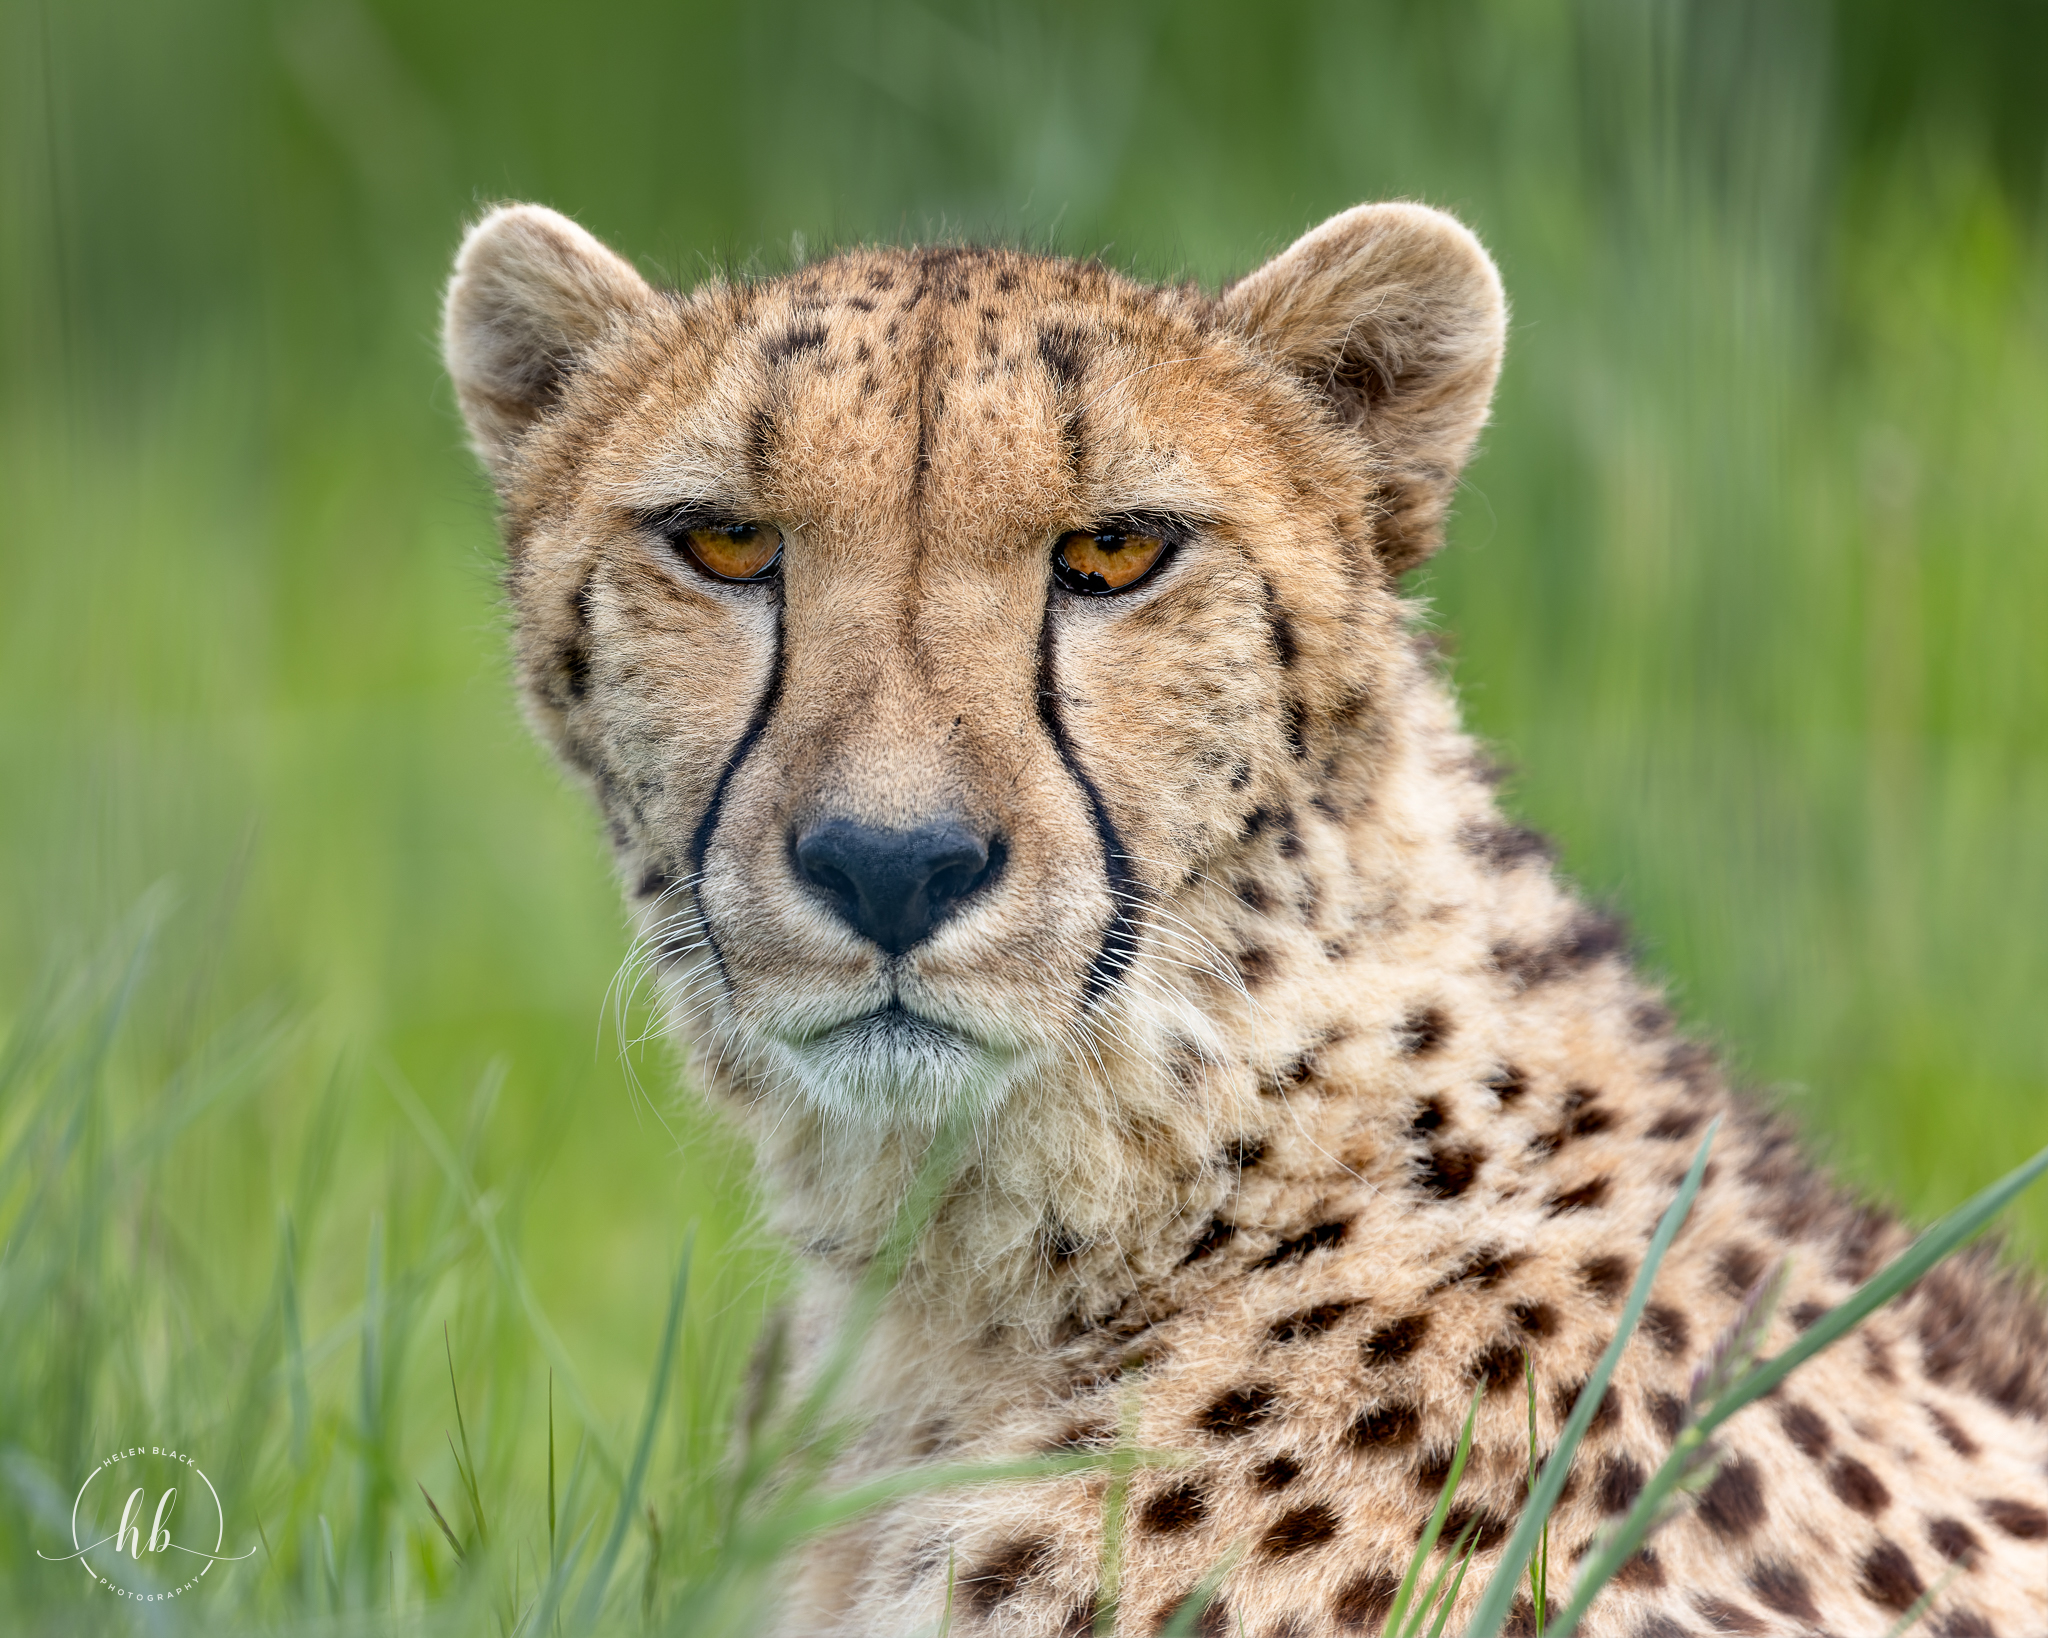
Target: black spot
x=1579 y=1116
x=1317 y=1238
x=1497 y=1366
x=1954 y=1540
x=1804 y=1426
x=1539 y=1319
x=1740 y=1268
x=1295 y=1072
x=1485 y=1268
x=1855 y=1485
x=1733 y=1502
x=804 y=338
x=1566 y=1400
x=2021 y=1520
x=1384 y=1427
x=1621 y=1481
x=1309 y=1322
x=1888 y=1578
x=1591 y=936
x=574 y=658
x=999 y=1579
x=1859 y=1247
x=1780 y=1587
x=1803 y=1314
x=1292 y=714
x=1607 y=1277
x=1489 y=1529
x=1394 y=1341
x=1084 y=1436
x=1649 y=1019
x=1237 y=1412
x=1255 y=965
x=1276 y=1473
x=1252 y=895
x=1180 y=1506
x=1449 y=1170
x=1429 y=1117
x=1241 y=1154
x=1643 y=1569
x=1674 y=1125
x=1669 y=1331
x=1503 y=846
x=1299 y=1529
x=1585 y=1197
x=1284 y=645
x=1723 y=1616
x=1508 y=1085
x=1692 y=1065
x=760 y=444
x=1365 y=1600
x=1422 y=1032
x=1433 y=1472
x=1218 y=1233
x=1063 y=350
x=1967 y=1623
x=1667 y=1411
x=1952 y=1434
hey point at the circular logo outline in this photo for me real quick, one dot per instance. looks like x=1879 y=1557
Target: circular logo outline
x=79 y=1551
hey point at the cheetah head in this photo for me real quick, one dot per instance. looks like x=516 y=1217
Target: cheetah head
x=932 y=625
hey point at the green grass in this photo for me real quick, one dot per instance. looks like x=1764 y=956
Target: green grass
x=1747 y=582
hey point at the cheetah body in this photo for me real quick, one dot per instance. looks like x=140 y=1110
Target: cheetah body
x=1305 y=1099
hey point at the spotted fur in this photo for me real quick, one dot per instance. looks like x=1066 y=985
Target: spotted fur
x=1306 y=1097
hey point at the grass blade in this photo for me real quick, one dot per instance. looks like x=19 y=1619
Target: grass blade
x=1499 y=1596
x=1398 y=1615
x=1945 y=1238
x=629 y=1497
x=1418 y=1611
x=1181 y=1624
x=1450 y=1599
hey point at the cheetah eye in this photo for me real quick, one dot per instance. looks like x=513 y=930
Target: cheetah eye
x=1096 y=562
x=730 y=551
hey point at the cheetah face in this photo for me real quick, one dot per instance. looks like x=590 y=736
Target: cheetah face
x=930 y=624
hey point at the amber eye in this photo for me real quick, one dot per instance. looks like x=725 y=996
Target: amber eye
x=731 y=551
x=1096 y=562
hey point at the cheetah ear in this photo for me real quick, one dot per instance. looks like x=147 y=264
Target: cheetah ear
x=1394 y=316
x=531 y=290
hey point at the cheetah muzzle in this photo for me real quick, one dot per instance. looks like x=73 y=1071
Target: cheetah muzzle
x=993 y=676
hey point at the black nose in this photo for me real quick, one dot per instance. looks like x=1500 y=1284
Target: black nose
x=895 y=886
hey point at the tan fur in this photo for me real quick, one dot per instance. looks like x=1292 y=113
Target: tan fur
x=1304 y=1095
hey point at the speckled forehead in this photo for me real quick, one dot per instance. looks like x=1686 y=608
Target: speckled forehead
x=942 y=389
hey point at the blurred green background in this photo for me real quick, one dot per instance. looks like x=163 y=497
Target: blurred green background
x=1749 y=582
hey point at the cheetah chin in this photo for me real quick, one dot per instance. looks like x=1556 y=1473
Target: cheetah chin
x=892 y=1067
x=994 y=677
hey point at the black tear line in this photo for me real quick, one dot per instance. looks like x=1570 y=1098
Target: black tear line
x=700 y=840
x=1119 y=945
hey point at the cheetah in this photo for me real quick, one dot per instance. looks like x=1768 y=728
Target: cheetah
x=994 y=675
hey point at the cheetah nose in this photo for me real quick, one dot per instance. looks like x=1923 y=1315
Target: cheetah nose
x=895 y=886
